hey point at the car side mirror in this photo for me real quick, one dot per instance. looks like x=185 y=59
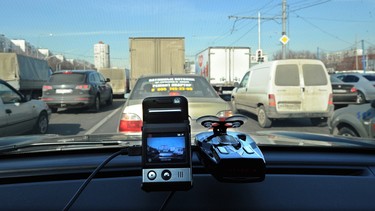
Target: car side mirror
x=236 y=84
x=108 y=80
x=126 y=95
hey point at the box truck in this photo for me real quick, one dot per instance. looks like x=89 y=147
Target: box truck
x=26 y=74
x=119 y=79
x=156 y=55
x=223 y=66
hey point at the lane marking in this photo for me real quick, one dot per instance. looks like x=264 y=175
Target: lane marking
x=93 y=129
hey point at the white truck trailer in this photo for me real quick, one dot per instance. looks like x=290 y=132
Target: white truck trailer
x=223 y=66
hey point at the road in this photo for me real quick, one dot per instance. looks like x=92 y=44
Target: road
x=83 y=121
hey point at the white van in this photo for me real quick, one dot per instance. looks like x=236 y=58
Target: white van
x=292 y=88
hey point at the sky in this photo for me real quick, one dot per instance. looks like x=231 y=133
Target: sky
x=72 y=27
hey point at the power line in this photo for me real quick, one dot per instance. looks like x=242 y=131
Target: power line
x=310 y=5
x=320 y=29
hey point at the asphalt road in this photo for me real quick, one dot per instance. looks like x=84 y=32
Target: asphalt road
x=84 y=121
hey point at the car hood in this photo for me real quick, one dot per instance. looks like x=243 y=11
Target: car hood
x=361 y=110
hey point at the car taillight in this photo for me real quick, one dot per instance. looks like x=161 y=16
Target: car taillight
x=330 y=99
x=353 y=89
x=46 y=88
x=130 y=123
x=83 y=87
x=224 y=113
x=271 y=100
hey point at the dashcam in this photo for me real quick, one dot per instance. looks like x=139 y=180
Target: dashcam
x=166 y=145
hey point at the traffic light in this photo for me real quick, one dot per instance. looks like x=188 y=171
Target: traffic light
x=259 y=55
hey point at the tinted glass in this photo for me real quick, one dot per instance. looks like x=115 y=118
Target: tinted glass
x=369 y=77
x=350 y=78
x=186 y=86
x=314 y=75
x=335 y=80
x=287 y=75
x=72 y=78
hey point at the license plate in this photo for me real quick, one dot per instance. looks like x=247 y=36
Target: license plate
x=289 y=106
x=339 y=91
x=63 y=91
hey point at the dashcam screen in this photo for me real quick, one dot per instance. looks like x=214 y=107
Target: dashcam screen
x=166 y=148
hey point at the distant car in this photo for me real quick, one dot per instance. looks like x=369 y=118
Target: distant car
x=343 y=93
x=77 y=89
x=202 y=98
x=354 y=120
x=19 y=115
x=364 y=83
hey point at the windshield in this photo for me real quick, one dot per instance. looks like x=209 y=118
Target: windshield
x=273 y=61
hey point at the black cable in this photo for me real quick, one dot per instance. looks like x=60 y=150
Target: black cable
x=166 y=200
x=93 y=174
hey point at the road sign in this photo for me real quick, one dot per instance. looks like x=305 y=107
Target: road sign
x=284 y=39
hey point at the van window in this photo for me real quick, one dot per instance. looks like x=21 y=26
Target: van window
x=314 y=75
x=244 y=80
x=287 y=75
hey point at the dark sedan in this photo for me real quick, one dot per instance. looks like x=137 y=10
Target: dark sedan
x=343 y=93
x=77 y=89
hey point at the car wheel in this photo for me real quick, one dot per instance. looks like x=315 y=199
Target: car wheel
x=361 y=97
x=110 y=99
x=41 y=126
x=318 y=121
x=263 y=119
x=346 y=131
x=96 y=106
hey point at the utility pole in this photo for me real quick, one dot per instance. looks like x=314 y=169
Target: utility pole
x=283 y=49
x=254 y=17
x=283 y=33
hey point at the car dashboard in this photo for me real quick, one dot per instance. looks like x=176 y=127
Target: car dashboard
x=297 y=178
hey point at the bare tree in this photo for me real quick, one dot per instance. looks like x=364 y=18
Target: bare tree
x=295 y=55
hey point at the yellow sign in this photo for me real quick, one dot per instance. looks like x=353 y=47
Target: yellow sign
x=284 y=39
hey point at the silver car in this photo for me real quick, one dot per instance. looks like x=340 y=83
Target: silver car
x=364 y=83
x=354 y=120
x=202 y=99
x=19 y=115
